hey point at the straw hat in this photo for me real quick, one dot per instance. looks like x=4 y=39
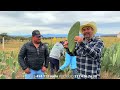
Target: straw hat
x=91 y=24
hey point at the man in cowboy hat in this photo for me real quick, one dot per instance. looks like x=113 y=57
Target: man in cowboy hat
x=88 y=52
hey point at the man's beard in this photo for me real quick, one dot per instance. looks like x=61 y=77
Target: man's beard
x=87 y=36
x=37 y=42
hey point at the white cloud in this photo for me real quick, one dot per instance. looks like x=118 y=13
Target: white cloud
x=43 y=17
x=28 y=30
x=27 y=21
x=109 y=30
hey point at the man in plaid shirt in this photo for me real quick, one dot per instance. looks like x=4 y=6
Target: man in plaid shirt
x=88 y=51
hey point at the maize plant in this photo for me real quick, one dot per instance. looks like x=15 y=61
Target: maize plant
x=2 y=61
x=2 y=56
x=2 y=67
x=2 y=77
x=111 y=59
x=13 y=75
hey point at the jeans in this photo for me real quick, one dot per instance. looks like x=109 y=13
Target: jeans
x=74 y=72
x=54 y=64
x=35 y=74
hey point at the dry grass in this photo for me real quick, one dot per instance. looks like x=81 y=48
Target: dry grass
x=53 y=41
x=12 y=46
x=8 y=74
x=108 y=75
x=108 y=41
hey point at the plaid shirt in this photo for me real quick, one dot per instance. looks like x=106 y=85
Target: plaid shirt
x=88 y=58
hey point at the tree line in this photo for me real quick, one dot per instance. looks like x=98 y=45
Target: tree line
x=8 y=37
x=20 y=38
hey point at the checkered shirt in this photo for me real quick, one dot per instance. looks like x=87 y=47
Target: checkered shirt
x=88 y=58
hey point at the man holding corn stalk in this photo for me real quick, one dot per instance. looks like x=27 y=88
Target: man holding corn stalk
x=88 y=52
x=33 y=57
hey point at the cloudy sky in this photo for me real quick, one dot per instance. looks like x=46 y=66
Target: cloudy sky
x=57 y=22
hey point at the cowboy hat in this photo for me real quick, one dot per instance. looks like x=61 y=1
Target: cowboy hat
x=91 y=24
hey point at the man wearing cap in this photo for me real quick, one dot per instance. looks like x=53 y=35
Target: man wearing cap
x=33 y=57
x=88 y=52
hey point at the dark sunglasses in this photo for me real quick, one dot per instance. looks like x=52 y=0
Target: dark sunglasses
x=38 y=36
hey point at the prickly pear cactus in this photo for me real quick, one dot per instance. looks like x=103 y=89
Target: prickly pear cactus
x=74 y=31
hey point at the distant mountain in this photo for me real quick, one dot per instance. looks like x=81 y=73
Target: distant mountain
x=54 y=35
x=21 y=35
x=109 y=35
x=60 y=35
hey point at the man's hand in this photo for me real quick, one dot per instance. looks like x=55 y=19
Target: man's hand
x=43 y=69
x=78 y=39
x=27 y=70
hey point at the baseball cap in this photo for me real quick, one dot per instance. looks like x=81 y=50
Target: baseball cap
x=36 y=33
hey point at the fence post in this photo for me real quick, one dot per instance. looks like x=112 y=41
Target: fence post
x=3 y=43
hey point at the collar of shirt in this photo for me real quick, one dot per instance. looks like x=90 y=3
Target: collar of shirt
x=92 y=39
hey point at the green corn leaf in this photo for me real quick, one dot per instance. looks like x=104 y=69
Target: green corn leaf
x=3 y=77
x=114 y=59
x=118 y=57
x=11 y=62
x=13 y=75
x=74 y=31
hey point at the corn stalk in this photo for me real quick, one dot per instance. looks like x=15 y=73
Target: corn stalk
x=111 y=59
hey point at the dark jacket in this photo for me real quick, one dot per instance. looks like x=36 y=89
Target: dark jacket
x=30 y=57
